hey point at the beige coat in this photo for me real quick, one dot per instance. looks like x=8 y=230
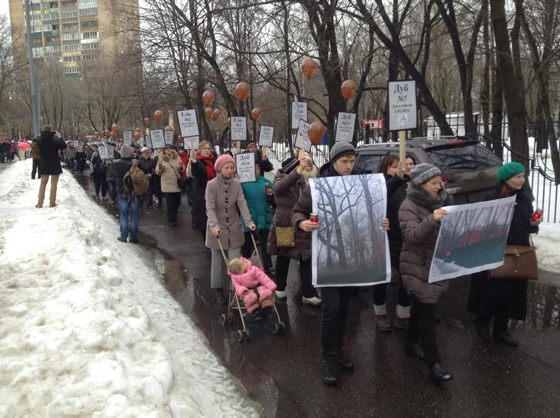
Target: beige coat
x=223 y=200
x=170 y=169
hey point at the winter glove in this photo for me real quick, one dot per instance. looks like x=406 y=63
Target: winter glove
x=165 y=158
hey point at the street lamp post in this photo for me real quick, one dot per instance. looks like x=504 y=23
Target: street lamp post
x=34 y=97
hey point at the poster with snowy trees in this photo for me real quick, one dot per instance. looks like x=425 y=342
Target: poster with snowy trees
x=350 y=248
x=472 y=238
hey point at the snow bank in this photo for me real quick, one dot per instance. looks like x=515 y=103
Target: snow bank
x=86 y=328
x=548 y=251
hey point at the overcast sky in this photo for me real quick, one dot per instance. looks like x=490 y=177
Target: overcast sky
x=5 y=8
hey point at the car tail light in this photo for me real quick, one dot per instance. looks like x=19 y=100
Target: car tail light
x=459 y=142
x=444 y=178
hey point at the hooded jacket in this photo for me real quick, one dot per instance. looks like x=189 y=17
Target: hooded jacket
x=49 y=145
x=170 y=169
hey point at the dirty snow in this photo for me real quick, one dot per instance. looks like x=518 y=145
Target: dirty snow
x=86 y=328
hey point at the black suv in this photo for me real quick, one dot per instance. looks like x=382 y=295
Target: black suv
x=469 y=169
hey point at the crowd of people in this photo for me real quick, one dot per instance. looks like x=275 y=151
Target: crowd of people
x=278 y=214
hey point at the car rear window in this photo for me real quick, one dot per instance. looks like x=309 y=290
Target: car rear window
x=368 y=164
x=470 y=156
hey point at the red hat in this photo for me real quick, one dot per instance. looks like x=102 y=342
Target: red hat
x=223 y=160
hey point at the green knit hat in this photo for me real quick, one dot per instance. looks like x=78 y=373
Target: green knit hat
x=510 y=170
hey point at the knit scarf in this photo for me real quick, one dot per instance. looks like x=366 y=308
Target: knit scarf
x=210 y=171
x=422 y=198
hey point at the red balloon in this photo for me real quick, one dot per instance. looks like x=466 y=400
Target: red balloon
x=348 y=89
x=216 y=114
x=96 y=135
x=207 y=97
x=137 y=136
x=208 y=112
x=316 y=132
x=242 y=91
x=308 y=67
x=112 y=135
x=158 y=115
x=106 y=132
x=256 y=113
x=115 y=127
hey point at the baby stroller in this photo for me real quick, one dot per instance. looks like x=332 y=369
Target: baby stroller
x=235 y=303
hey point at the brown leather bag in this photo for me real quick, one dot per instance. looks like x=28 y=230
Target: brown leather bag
x=520 y=262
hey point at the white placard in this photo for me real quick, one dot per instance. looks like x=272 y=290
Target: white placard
x=238 y=128
x=103 y=151
x=141 y=142
x=158 y=138
x=303 y=131
x=111 y=152
x=196 y=141
x=169 y=137
x=148 y=140
x=402 y=105
x=245 y=164
x=127 y=137
x=299 y=112
x=266 y=136
x=345 y=127
x=472 y=238
x=187 y=123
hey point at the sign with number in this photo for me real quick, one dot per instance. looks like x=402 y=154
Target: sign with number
x=187 y=122
x=345 y=127
x=303 y=132
x=238 y=128
x=168 y=137
x=195 y=141
x=158 y=138
x=103 y=151
x=266 y=135
x=127 y=137
x=299 y=112
x=403 y=113
x=245 y=163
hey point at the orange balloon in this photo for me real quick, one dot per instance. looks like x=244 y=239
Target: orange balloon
x=256 y=113
x=115 y=127
x=137 y=136
x=308 y=67
x=138 y=130
x=112 y=135
x=348 y=89
x=146 y=121
x=96 y=135
x=208 y=112
x=158 y=115
x=207 y=97
x=216 y=114
x=168 y=128
x=106 y=132
x=242 y=91
x=316 y=132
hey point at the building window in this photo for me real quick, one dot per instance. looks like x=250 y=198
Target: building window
x=71 y=70
x=72 y=58
x=69 y=14
x=93 y=45
x=90 y=35
x=70 y=36
x=89 y=24
x=71 y=47
x=50 y=16
x=89 y=57
x=88 y=12
x=88 y=2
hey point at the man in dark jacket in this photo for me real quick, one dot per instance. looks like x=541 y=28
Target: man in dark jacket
x=334 y=299
x=128 y=204
x=148 y=165
x=260 y=158
x=50 y=143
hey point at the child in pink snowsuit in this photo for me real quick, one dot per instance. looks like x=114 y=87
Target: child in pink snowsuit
x=254 y=286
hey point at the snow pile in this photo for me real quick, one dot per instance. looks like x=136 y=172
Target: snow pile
x=548 y=252
x=86 y=328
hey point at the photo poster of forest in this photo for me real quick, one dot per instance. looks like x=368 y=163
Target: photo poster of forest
x=472 y=238
x=350 y=247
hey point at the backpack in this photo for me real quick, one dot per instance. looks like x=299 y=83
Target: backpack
x=135 y=181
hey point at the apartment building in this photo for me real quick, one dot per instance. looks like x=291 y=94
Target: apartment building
x=76 y=33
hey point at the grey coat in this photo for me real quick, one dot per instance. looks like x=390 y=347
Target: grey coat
x=224 y=203
x=287 y=190
x=420 y=231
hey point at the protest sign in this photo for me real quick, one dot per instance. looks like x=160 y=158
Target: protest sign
x=472 y=238
x=345 y=127
x=169 y=137
x=238 y=128
x=103 y=151
x=266 y=136
x=187 y=122
x=351 y=247
x=303 y=132
x=127 y=137
x=299 y=112
x=158 y=138
x=245 y=164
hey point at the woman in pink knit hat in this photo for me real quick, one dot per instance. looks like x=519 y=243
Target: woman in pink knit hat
x=224 y=197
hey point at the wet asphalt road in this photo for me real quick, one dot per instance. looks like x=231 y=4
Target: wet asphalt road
x=282 y=372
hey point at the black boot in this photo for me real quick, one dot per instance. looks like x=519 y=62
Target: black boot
x=330 y=369
x=344 y=363
x=482 y=329
x=506 y=338
x=220 y=298
x=438 y=374
x=414 y=350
